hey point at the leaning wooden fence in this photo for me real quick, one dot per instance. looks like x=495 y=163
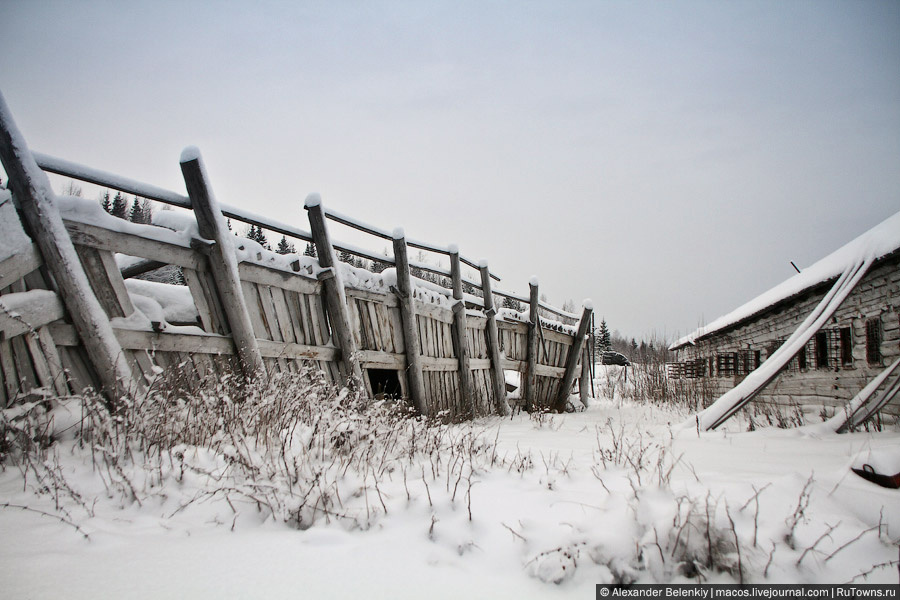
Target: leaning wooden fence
x=69 y=324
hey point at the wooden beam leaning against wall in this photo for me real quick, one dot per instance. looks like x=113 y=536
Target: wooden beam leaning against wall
x=493 y=339
x=405 y=295
x=572 y=359
x=222 y=261
x=460 y=343
x=333 y=290
x=35 y=197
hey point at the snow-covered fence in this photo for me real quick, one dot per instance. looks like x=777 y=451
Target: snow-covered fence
x=242 y=306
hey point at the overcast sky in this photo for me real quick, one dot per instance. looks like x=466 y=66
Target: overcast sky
x=666 y=159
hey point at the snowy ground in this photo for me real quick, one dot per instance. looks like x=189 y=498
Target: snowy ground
x=568 y=501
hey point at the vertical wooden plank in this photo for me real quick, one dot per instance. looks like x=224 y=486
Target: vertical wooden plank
x=282 y=314
x=200 y=300
x=222 y=262
x=253 y=306
x=293 y=307
x=267 y=305
x=10 y=379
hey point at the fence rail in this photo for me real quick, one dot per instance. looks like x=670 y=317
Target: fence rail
x=442 y=349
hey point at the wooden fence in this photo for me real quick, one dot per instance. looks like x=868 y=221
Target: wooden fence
x=71 y=317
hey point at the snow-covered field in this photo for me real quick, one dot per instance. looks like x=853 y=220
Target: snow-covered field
x=533 y=506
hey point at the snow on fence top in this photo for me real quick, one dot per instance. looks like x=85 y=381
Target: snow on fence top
x=881 y=240
x=76 y=211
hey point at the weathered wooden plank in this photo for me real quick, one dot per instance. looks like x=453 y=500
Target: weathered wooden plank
x=370 y=296
x=24 y=369
x=371 y=359
x=376 y=327
x=54 y=362
x=198 y=294
x=112 y=295
x=100 y=238
x=20 y=314
x=432 y=311
x=8 y=370
x=295 y=321
x=266 y=302
x=498 y=380
x=286 y=280
x=255 y=311
x=272 y=349
x=19 y=265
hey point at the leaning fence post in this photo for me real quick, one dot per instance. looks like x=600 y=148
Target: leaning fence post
x=493 y=339
x=35 y=197
x=534 y=322
x=572 y=359
x=222 y=261
x=414 y=374
x=333 y=290
x=460 y=332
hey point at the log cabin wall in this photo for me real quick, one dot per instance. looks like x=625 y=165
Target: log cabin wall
x=861 y=339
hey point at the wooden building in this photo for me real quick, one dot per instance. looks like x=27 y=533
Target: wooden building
x=847 y=348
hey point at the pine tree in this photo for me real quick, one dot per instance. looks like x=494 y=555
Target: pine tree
x=285 y=247
x=345 y=256
x=119 y=206
x=310 y=250
x=137 y=211
x=513 y=304
x=603 y=337
x=105 y=202
x=147 y=211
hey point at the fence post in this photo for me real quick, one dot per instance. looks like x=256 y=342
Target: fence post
x=36 y=200
x=414 y=373
x=460 y=333
x=222 y=261
x=572 y=359
x=333 y=291
x=534 y=318
x=493 y=340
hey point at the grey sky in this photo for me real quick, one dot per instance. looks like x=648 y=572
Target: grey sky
x=667 y=160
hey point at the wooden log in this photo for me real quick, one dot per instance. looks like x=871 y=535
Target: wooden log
x=36 y=199
x=534 y=323
x=222 y=262
x=106 y=281
x=333 y=292
x=585 y=383
x=498 y=379
x=568 y=379
x=411 y=339
x=459 y=329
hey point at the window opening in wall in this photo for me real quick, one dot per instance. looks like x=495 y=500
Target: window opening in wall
x=801 y=359
x=725 y=364
x=846 y=346
x=385 y=384
x=873 y=341
x=822 y=350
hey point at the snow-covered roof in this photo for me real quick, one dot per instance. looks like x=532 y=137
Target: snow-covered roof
x=881 y=240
